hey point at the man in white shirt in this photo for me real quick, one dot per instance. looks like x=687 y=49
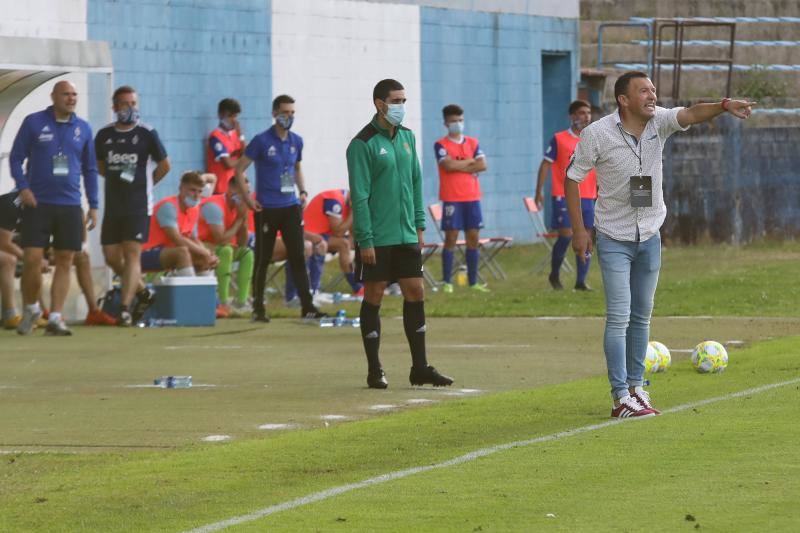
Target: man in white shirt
x=626 y=149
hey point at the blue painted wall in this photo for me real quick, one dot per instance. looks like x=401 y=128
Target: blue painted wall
x=490 y=64
x=183 y=56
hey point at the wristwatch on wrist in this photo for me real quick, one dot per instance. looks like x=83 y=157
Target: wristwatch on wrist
x=724 y=103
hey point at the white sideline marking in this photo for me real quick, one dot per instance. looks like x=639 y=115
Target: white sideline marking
x=382 y=407
x=333 y=417
x=216 y=438
x=277 y=426
x=471 y=456
x=203 y=347
x=480 y=346
x=417 y=401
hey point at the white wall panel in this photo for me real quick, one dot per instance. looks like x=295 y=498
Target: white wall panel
x=49 y=19
x=328 y=55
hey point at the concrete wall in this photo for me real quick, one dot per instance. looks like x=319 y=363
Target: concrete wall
x=490 y=64
x=730 y=182
x=183 y=57
x=328 y=55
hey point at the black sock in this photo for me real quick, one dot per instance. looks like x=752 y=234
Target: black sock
x=371 y=334
x=414 y=324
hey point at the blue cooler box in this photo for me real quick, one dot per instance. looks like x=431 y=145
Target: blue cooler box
x=186 y=301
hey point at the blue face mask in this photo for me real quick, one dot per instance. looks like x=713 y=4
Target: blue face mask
x=190 y=202
x=235 y=199
x=395 y=114
x=226 y=124
x=128 y=115
x=456 y=128
x=285 y=121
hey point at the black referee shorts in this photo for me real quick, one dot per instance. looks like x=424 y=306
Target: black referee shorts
x=391 y=263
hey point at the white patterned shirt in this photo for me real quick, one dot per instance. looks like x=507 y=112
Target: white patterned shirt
x=613 y=153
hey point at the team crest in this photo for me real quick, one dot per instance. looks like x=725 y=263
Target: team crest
x=135 y=139
x=77 y=132
x=271 y=152
x=407 y=147
x=292 y=149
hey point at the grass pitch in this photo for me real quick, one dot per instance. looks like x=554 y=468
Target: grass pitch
x=85 y=445
x=725 y=453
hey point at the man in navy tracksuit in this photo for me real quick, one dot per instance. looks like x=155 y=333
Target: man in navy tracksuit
x=58 y=148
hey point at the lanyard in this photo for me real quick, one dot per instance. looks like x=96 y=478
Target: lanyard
x=60 y=127
x=639 y=155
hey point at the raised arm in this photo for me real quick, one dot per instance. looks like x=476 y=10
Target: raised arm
x=704 y=112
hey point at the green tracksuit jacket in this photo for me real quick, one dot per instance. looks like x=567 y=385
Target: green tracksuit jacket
x=385 y=187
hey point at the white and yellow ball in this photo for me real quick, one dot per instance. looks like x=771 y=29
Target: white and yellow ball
x=664 y=357
x=651 y=360
x=709 y=356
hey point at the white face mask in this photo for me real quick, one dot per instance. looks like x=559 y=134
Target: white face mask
x=208 y=190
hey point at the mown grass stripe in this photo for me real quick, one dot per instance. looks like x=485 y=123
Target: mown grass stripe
x=471 y=456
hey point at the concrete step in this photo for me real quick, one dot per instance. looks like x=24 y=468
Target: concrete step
x=743 y=55
x=623 y=9
x=783 y=31
x=711 y=85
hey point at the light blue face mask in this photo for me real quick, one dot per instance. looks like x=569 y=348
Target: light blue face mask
x=456 y=128
x=235 y=198
x=395 y=114
x=190 y=202
x=128 y=115
x=285 y=121
x=227 y=124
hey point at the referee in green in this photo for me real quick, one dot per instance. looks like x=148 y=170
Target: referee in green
x=388 y=221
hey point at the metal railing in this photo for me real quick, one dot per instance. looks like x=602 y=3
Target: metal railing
x=677 y=59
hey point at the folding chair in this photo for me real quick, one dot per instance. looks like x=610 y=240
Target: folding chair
x=489 y=246
x=428 y=250
x=540 y=230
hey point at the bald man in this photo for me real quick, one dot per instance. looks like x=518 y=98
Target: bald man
x=58 y=148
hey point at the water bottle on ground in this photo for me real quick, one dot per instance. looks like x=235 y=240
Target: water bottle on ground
x=173 y=382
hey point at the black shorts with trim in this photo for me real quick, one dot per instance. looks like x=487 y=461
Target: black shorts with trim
x=63 y=222
x=9 y=212
x=121 y=228
x=391 y=263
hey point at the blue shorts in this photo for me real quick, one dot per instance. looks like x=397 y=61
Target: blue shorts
x=560 y=215
x=462 y=216
x=151 y=259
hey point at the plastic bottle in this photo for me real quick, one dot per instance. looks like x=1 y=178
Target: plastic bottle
x=337 y=297
x=173 y=382
x=341 y=317
x=461 y=276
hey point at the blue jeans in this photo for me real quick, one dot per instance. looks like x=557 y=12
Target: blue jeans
x=630 y=275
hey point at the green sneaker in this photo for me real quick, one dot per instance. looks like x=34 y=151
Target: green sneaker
x=447 y=288
x=479 y=287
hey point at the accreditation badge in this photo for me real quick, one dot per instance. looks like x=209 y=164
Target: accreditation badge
x=641 y=191
x=60 y=165
x=287 y=183
x=128 y=173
